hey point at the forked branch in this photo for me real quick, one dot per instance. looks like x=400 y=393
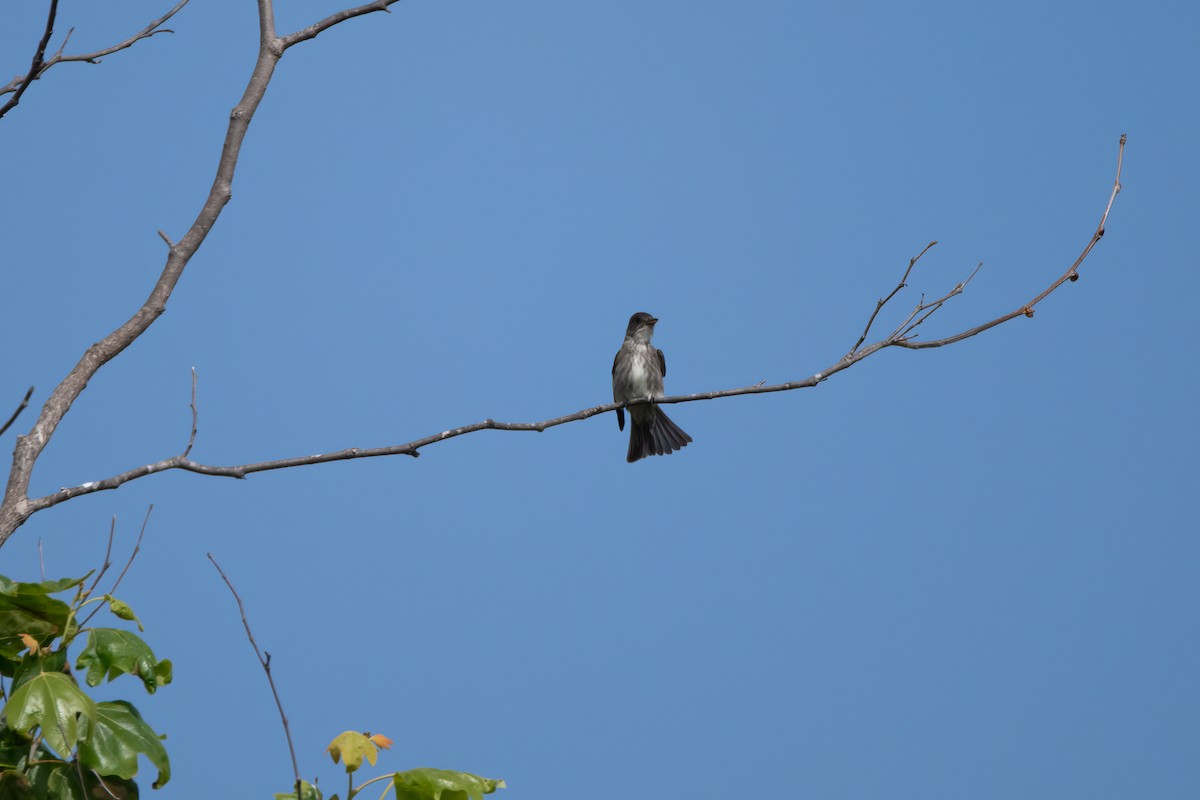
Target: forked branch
x=883 y=301
x=16 y=505
x=19 y=84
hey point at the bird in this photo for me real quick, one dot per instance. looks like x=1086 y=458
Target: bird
x=638 y=372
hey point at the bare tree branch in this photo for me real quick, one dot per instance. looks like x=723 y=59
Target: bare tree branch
x=265 y=661
x=106 y=564
x=16 y=505
x=1072 y=274
x=901 y=336
x=17 y=413
x=311 y=31
x=21 y=82
x=137 y=547
x=923 y=311
x=879 y=304
x=195 y=418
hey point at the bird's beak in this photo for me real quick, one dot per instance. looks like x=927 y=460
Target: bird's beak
x=653 y=320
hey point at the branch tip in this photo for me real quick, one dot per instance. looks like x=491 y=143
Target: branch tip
x=13 y=418
x=265 y=661
x=195 y=418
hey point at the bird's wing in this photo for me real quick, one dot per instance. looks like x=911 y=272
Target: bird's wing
x=662 y=362
x=620 y=411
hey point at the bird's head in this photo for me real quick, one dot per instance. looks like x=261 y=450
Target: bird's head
x=641 y=327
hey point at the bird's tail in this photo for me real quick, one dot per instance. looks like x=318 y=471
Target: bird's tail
x=659 y=437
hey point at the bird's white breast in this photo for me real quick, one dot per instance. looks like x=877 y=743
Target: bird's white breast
x=639 y=379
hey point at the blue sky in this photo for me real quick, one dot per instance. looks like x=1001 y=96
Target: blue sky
x=963 y=572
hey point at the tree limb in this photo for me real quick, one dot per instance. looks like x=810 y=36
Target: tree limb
x=16 y=505
x=901 y=336
x=304 y=34
x=19 y=84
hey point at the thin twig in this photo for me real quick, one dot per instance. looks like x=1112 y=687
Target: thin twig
x=136 y=549
x=58 y=53
x=24 y=405
x=78 y=761
x=108 y=562
x=94 y=57
x=100 y=781
x=266 y=665
x=104 y=566
x=23 y=82
x=912 y=262
x=195 y=417
x=41 y=560
x=926 y=310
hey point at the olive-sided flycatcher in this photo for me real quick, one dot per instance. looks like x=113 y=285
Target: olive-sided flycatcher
x=638 y=372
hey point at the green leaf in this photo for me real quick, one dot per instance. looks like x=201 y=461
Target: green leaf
x=55 y=781
x=50 y=701
x=60 y=781
x=307 y=792
x=28 y=608
x=111 y=746
x=8 y=666
x=47 y=587
x=425 y=783
x=352 y=747
x=11 y=756
x=31 y=666
x=111 y=652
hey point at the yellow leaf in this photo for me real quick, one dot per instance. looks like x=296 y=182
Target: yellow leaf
x=351 y=747
x=382 y=741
